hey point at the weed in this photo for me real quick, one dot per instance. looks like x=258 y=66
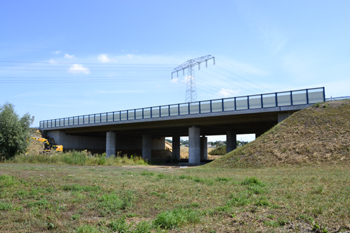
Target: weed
x=75 y=216
x=119 y=225
x=143 y=227
x=317 y=190
x=6 y=181
x=252 y=181
x=77 y=187
x=5 y=206
x=87 y=229
x=145 y=173
x=222 y=179
x=175 y=218
x=271 y=223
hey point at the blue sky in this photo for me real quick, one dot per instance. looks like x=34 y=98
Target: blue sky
x=67 y=58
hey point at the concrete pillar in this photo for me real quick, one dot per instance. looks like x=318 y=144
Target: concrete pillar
x=204 y=148
x=176 y=147
x=110 y=143
x=146 y=147
x=283 y=115
x=195 y=145
x=231 y=141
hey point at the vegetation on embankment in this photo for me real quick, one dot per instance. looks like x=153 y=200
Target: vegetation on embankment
x=318 y=134
x=41 y=198
x=83 y=158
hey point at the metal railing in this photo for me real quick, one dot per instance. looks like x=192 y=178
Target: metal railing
x=338 y=98
x=267 y=100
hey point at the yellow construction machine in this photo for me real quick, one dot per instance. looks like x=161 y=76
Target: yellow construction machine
x=48 y=147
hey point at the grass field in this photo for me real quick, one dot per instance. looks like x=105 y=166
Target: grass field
x=62 y=198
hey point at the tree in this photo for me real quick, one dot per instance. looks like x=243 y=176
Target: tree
x=14 y=132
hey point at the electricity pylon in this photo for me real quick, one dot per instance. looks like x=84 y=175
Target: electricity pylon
x=191 y=93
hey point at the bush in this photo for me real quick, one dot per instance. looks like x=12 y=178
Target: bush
x=14 y=132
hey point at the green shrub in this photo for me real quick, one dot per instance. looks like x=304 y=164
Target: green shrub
x=143 y=227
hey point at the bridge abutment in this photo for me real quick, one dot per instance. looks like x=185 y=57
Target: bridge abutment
x=283 y=115
x=231 y=141
x=194 y=156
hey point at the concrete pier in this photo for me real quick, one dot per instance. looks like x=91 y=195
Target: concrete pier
x=204 y=148
x=231 y=141
x=110 y=143
x=176 y=147
x=194 y=156
x=146 y=147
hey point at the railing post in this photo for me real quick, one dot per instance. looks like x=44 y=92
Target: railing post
x=120 y=115
x=127 y=115
x=100 y=117
x=291 y=98
x=235 y=102
x=276 y=99
x=261 y=100
x=199 y=107
x=307 y=96
x=189 y=108
x=150 y=112
x=160 y=111
x=143 y=114
x=178 y=110
x=169 y=110
x=134 y=114
x=222 y=105
x=248 y=101
x=94 y=118
x=211 y=107
x=324 y=95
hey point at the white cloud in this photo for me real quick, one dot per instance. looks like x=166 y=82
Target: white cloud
x=175 y=80
x=68 y=56
x=103 y=58
x=78 y=68
x=227 y=92
x=57 y=52
x=130 y=56
x=52 y=61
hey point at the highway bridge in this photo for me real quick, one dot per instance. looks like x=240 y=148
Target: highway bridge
x=143 y=130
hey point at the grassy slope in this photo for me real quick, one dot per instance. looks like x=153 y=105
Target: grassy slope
x=318 y=134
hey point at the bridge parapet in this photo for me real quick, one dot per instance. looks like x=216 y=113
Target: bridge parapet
x=259 y=101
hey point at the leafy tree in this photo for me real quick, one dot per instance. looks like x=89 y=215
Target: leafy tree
x=14 y=132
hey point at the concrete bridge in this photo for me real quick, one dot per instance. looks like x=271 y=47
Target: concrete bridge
x=144 y=130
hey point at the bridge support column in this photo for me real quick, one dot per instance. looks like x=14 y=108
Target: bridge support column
x=194 y=145
x=204 y=148
x=231 y=141
x=146 y=147
x=110 y=143
x=176 y=147
x=283 y=115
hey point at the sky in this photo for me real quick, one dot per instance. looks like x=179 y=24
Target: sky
x=69 y=58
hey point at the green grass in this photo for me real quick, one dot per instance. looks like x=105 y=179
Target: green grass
x=37 y=197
